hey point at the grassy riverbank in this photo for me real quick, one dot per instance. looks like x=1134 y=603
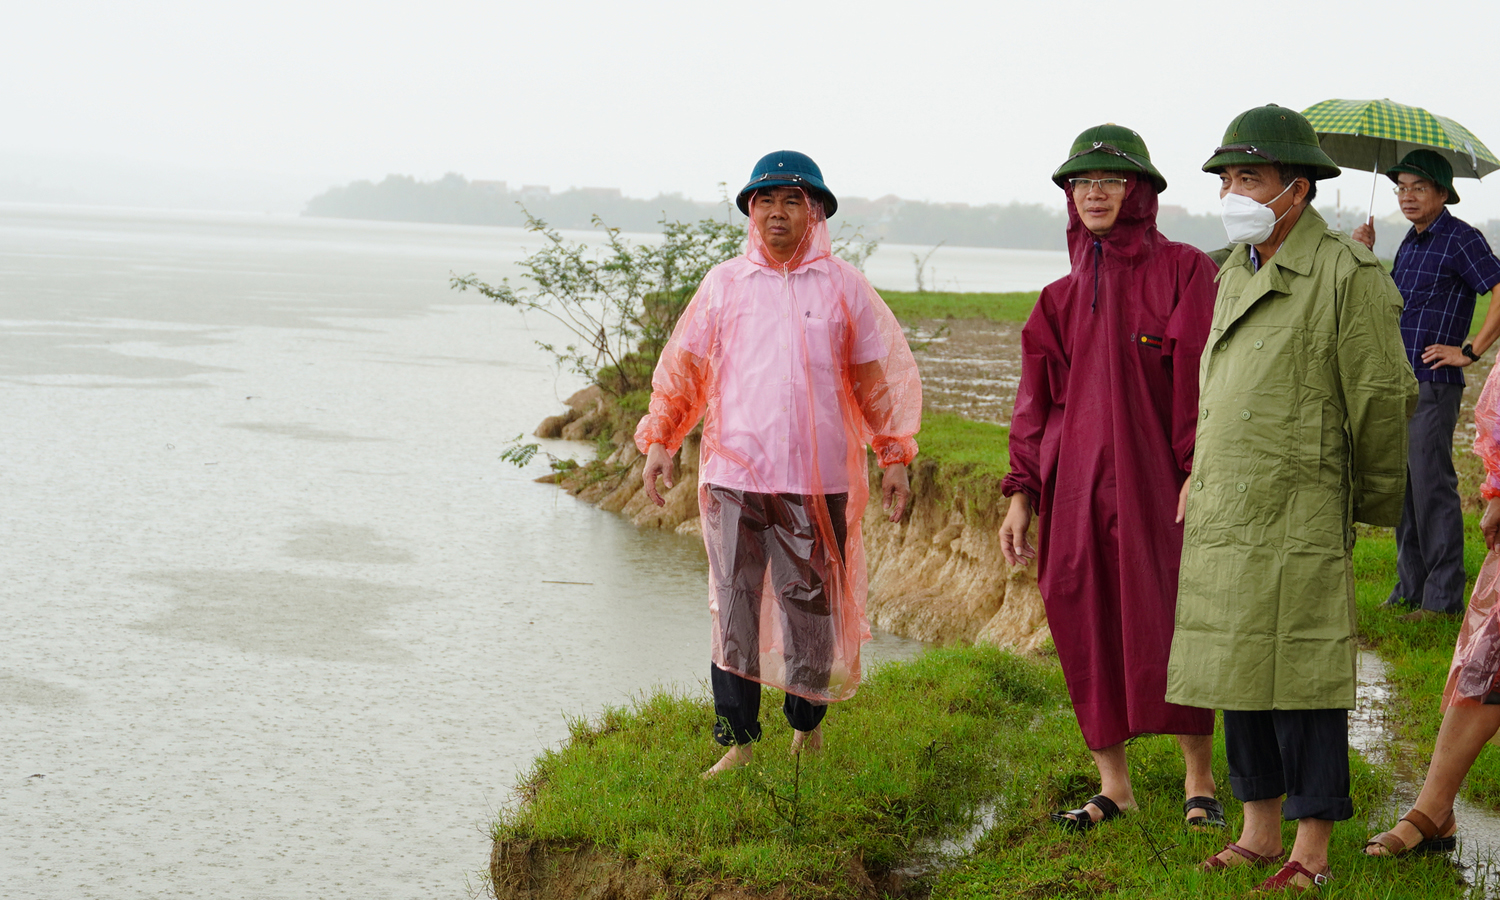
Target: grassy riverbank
x=912 y=756
x=912 y=306
x=925 y=745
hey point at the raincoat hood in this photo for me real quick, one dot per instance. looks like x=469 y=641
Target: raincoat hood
x=816 y=243
x=1134 y=233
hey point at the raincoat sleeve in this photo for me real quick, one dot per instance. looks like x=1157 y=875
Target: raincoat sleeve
x=1043 y=372
x=886 y=383
x=1380 y=392
x=1487 y=434
x=1187 y=333
x=680 y=384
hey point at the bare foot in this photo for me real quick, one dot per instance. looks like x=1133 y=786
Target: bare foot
x=738 y=755
x=810 y=740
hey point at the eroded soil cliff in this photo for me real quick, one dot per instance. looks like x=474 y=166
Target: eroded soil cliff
x=936 y=576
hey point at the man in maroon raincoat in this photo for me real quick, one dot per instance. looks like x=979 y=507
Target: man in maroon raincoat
x=1101 y=445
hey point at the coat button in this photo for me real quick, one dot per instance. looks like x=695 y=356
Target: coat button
x=1259 y=344
x=1240 y=487
x=1244 y=414
x=1197 y=485
x=1205 y=414
x=1222 y=346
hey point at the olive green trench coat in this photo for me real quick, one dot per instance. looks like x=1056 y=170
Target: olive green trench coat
x=1305 y=393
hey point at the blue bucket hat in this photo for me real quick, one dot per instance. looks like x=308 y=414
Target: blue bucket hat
x=787 y=168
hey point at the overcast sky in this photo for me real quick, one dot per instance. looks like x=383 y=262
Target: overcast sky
x=973 y=102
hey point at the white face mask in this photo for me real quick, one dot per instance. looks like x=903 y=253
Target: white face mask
x=1249 y=222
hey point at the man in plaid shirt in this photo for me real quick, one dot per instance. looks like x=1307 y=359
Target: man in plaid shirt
x=1440 y=267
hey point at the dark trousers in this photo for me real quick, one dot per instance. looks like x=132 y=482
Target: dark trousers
x=1430 y=538
x=737 y=707
x=775 y=532
x=1300 y=753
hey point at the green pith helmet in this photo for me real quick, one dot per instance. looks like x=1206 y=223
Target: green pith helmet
x=1428 y=164
x=1272 y=134
x=788 y=168
x=1108 y=148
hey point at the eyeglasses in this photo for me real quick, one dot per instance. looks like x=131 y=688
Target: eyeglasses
x=1107 y=185
x=1416 y=190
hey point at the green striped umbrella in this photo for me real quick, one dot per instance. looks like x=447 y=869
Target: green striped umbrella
x=1373 y=135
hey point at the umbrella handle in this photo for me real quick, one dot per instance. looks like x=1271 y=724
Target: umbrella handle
x=1374 y=180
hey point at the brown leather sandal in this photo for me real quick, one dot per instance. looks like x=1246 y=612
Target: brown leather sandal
x=1285 y=879
x=1433 y=838
x=1244 y=858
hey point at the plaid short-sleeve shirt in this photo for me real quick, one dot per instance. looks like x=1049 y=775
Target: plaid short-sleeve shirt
x=1439 y=271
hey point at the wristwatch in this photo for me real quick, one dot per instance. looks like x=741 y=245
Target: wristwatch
x=1468 y=350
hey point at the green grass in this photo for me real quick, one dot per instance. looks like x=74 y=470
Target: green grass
x=966 y=459
x=912 y=754
x=1011 y=307
x=1148 y=854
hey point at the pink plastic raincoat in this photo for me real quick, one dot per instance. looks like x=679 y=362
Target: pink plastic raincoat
x=794 y=371
x=1476 y=656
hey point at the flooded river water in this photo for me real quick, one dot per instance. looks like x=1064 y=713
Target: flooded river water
x=278 y=622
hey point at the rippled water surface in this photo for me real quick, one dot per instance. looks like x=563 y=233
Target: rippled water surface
x=277 y=621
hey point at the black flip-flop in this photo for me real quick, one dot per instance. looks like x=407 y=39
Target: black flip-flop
x=1213 y=813
x=1080 y=820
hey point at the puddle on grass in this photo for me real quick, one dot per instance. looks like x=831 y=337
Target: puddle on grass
x=933 y=855
x=1370 y=732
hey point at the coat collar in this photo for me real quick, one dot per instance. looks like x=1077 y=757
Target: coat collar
x=1295 y=258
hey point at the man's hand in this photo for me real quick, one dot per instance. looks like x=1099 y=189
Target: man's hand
x=1365 y=233
x=1182 y=499
x=1439 y=355
x=1013 y=544
x=895 y=490
x=1489 y=523
x=658 y=463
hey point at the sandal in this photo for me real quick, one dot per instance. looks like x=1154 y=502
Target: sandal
x=1284 y=880
x=1213 y=813
x=1080 y=820
x=1245 y=858
x=1433 y=839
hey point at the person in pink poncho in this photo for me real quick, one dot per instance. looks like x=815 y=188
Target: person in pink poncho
x=795 y=365
x=1471 y=699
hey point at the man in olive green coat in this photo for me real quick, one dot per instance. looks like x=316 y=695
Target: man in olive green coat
x=1305 y=393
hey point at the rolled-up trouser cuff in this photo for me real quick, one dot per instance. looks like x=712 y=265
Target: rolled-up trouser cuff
x=1335 y=809
x=1302 y=753
x=736 y=707
x=727 y=735
x=1257 y=787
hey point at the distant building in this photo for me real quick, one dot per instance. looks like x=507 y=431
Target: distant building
x=535 y=191
x=602 y=193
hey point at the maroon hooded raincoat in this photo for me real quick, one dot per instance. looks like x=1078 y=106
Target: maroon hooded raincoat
x=1101 y=441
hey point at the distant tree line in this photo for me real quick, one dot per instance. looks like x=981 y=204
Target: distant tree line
x=454 y=199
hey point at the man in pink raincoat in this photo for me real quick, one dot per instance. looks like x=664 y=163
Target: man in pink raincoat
x=795 y=365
